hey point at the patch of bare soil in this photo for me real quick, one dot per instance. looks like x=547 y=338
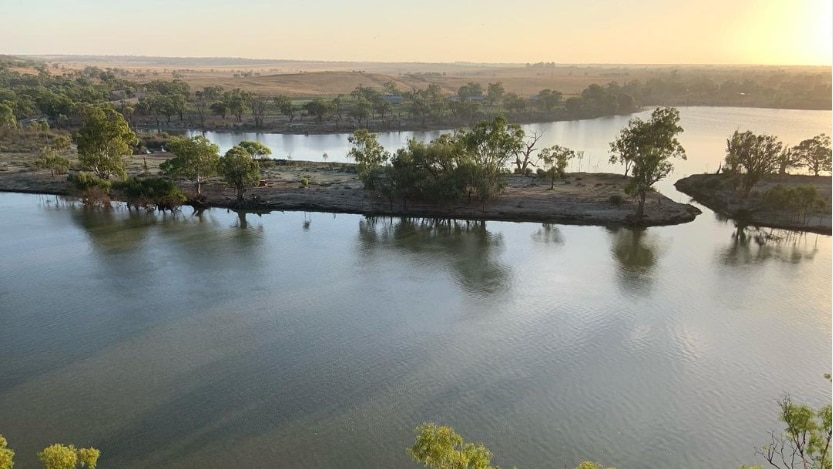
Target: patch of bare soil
x=717 y=192
x=580 y=198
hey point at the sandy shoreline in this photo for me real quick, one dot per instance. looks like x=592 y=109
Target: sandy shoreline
x=716 y=192
x=581 y=198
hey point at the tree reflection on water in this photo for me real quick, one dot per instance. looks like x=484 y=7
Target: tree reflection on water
x=753 y=245
x=466 y=247
x=636 y=253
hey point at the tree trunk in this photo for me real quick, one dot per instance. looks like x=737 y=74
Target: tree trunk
x=640 y=209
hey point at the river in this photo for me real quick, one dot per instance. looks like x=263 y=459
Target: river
x=320 y=340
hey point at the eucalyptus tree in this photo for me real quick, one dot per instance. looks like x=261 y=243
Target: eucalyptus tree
x=103 y=140
x=258 y=150
x=491 y=144
x=239 y=170
x=750 y=157
x=647 y=147
x=319 y=108
x=815 y=153
x=194 y=158
x=556 y=158
x=286 y=107
x=370 y=156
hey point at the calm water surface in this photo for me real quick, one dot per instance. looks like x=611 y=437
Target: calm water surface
x=315 y=340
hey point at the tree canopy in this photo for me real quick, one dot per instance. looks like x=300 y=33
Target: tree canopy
x=194 y=158
x=646 y=148
x=239 y=170
x=103 y=139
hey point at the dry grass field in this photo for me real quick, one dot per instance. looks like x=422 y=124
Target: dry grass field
x=311 y=78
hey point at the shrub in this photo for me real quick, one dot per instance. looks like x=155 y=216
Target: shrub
x=152 y=193
x=83 y=181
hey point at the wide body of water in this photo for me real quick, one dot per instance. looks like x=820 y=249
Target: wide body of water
x=318 y=340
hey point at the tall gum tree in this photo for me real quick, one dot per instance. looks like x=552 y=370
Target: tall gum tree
x=195 y=158
x=646 y=148
x=103 y=140
x=239 y=170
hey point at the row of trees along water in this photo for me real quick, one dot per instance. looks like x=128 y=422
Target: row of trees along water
x=470 y=164
x=59 y=99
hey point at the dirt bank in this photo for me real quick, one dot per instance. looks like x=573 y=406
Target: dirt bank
x=718 y=192
x=581 y=198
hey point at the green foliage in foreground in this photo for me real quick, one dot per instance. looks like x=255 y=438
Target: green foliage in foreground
x=805 y=442
x=440 y=447
x=55 y=456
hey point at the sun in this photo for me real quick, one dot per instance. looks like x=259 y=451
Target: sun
x=782 y=32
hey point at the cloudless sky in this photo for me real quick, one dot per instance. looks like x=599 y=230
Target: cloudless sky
x=784 y=32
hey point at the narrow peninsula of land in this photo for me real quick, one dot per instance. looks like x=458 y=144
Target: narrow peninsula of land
x=579 y=198
x=797 y=202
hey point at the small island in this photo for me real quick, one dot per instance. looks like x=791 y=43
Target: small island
x=578 y=198
x=789 y=201
x=460 y=175
x=754 y=185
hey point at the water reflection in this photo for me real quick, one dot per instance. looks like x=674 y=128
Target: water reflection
x=752 y=245
x=467 y=247
x=114 y=229
x=636 y=253
x=549 y=233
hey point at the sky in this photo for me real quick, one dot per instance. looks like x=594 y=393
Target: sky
x=772 y=32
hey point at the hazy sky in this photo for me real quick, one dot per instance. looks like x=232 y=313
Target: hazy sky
x=578 y=31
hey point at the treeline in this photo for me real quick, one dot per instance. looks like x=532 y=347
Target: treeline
x=29 y=91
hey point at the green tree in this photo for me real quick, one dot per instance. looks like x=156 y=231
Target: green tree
x=318 y=108
x=556 y=158
x=440 y=447
x=286 y=107
x=239 y=170
x=548 y=99
x=494 y=93
x=370 y=156
x=237 y=102
x=805 y=442
x=491 y=144
x=815 y=153
x=59 y=456
x=103 y=139
x=194 y=159
x=51 y=160
x=514 y=103
x=750 y=157
x=647 y=147
x=259 y=106
x=7 y=117
x=258 y=150
x=6 y=455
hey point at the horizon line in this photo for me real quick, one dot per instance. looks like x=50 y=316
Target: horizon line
x=418 y=62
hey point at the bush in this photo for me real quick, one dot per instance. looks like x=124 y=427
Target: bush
x=615 y=199
x=152 y=193
x=83 y=181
